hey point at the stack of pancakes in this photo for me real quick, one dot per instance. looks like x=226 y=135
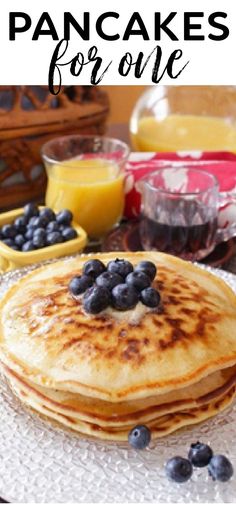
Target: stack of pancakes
x=102 y=375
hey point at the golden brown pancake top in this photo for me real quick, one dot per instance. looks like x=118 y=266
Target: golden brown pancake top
x=47 y=336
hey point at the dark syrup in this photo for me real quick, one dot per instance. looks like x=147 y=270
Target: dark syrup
x=178 y=240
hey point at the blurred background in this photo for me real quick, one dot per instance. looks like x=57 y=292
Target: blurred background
x=159 y=126
x=159 y=119
x=122 y=100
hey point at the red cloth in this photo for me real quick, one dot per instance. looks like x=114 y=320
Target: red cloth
x=220 y=164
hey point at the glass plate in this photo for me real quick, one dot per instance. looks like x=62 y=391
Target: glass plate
x=41 y=462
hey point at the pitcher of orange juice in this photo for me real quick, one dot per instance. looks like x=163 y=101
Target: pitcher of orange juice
x=183 y=118
x=85 y=175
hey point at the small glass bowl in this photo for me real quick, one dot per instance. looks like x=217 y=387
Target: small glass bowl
x=11 y=259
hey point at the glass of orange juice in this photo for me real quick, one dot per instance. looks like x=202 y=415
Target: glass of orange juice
x=85 y=175
x=185 y=118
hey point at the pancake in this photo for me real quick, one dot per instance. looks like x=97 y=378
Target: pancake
x=159 y=428
x=126 y=414
x=46 y=337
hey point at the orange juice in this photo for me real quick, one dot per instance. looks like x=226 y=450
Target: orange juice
x=91 y=188
x=184 y=132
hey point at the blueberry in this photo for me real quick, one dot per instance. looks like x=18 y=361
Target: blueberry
x=139 y=437
x=69 y=233
x=20 y=224
x=124 y=297
x=54 y=238
x=39 y=232
x=42 y=222
x=33 y=222
x=62 y=227
x=109 y=280
x=31 y=210
x=138 y=280
x=80 y=284
x=96 y=299
x=148 y=268
x=19 y=240
x=179 y=469
x=200 y=454
x=64 y=217
x=9 y=242
x=120 y=267
x=150 y=297
x=220 y=468
x=52 y=226
x=36 y=222
x=28 y=246
x=39 y=241
x=47 y=215
x=29 y=233
x=93 y=268
x=8 y=231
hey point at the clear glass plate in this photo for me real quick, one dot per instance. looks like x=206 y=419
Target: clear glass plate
x=40 y=462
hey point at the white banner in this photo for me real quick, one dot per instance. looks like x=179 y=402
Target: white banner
x=121 y=43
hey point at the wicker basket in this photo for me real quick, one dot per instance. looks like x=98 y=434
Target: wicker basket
x=29 y=117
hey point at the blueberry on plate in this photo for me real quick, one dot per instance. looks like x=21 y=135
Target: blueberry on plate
x=109 y=280
x=31 y=210
x=20 y=224
x=139 y=437
x=29 y=233
x=19 y=240
x=47 y=215
x=53 y=238
x=33 y=223
x=150 y=297
x=138 y=280
x=8 y=231
x=39 y=232
x=220 y=468
x=200 y=454
x=179 y=469
x=120 y=267
x=64 y=217
x=52 y=226
x=69 y=233
x=93 y=268
x=39 y=241
x=96 y=299
x=124 y=297
x=36 y=222
x=28 y=246
x=79 y=284
x=148 y=268
x=8 y=241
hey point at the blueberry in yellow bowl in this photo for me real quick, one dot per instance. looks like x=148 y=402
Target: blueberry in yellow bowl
x=33 y=234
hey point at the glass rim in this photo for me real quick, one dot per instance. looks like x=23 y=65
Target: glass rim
x=215 y=182
x=125 y=148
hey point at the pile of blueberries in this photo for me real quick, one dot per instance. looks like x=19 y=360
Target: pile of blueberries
x=38 y=228
x=219 y=467
x=118 y=285
x=180 y=469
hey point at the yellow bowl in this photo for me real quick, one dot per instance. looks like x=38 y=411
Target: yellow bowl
x=11 y=259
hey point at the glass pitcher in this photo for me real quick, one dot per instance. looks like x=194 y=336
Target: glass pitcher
x=185 y=118
x=180 y=212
